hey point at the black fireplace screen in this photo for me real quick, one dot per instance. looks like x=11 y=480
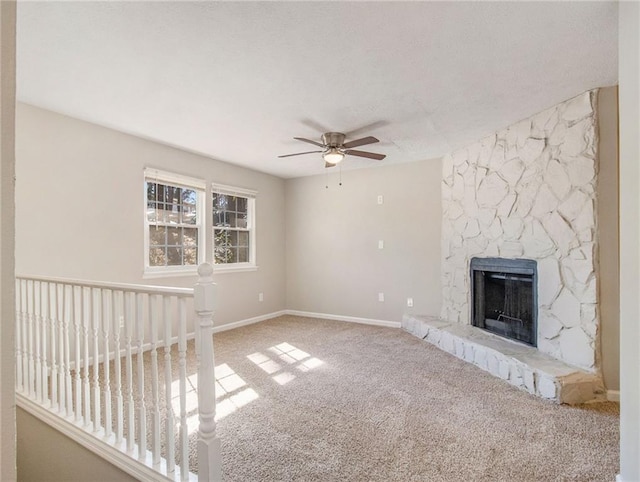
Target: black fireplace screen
x=503 y=293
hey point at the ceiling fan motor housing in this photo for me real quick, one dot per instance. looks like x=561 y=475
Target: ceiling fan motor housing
x=333 y=139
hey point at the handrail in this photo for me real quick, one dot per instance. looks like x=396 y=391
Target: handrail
x=135 y=288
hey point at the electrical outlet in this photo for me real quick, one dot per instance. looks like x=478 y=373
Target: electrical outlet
x=381 y=244
x=380 y=296
x=260 y=296
x=380 y=199
x=410 y=302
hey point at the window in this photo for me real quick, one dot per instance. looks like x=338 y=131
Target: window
x=233 y=227
x=173 y=223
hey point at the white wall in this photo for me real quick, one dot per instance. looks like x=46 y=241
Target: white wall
x=7 y=307
x=629 y=99
x=334 y=265
x=80 y=209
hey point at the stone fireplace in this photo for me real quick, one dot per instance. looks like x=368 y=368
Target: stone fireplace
x=526 y=194
x=529 y=192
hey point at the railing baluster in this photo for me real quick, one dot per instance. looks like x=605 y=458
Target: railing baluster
x=25 y=335
x=130 y=300
x=38 y=329
x=86 y=388
x=169 y=421
x=182 y=357
x=19 y=380
x=96 y=359
x=68 y=313
x=58 y=295
x=77 y=320
x=154 y=320
x=142 y=413
x=106 y=323
x=32 y=365
x=118 y=319
x=53 y=300
x=46 y=320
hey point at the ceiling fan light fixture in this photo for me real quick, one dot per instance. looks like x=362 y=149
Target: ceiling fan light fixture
x=333 y=156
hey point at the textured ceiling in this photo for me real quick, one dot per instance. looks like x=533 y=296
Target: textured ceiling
x=235 y=81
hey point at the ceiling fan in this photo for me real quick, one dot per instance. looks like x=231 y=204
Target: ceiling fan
x=334 y=148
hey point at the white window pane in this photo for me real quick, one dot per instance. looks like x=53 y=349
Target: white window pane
x=243 y=238
x=157 y=257
x=174 y=236
x=190 y=256
x=189 y=196
x=241 y=205
x=188 y=214
x=189 y=237
x=241 y=220
x=162 y=215
x=157 y=235
x=174 y=256
x=151 y=212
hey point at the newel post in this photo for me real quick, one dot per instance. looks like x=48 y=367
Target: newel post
x=209 y=462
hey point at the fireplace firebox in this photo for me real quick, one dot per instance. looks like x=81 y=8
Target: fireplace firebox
x=504 y=297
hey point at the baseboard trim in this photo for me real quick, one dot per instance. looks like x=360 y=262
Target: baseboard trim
x=248 y=321
x=619 y=478
x=613 y=395
x=350 y=319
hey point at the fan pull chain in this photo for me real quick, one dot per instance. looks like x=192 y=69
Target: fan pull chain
x=327 y=178
x=340 y=166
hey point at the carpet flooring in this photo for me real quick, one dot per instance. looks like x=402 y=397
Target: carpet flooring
x=303 y=399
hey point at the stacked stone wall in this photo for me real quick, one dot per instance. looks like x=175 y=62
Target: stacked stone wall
x=529 y=191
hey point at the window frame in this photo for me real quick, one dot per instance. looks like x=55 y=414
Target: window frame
x=250 y=195
x=176 y=180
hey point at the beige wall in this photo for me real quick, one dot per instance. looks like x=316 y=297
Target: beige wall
x=79 y=209
x=608 y=234
x=334 y=265
x=7 y=307
x=46 y=454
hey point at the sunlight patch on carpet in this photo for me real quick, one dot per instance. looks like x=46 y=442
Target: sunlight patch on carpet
x=232 y=392
x=283 y=378
x=264 y=362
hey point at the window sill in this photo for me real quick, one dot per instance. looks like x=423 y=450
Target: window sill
x=222 y=269
x=170 y=273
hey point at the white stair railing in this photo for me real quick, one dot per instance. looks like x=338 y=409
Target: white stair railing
x=87 y=354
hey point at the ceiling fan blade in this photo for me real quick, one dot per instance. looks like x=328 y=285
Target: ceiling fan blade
x=360 y=142
x=370 y=155
x=309 y=141
x=300 y=153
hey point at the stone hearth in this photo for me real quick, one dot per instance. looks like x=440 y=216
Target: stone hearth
x=522 y=366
